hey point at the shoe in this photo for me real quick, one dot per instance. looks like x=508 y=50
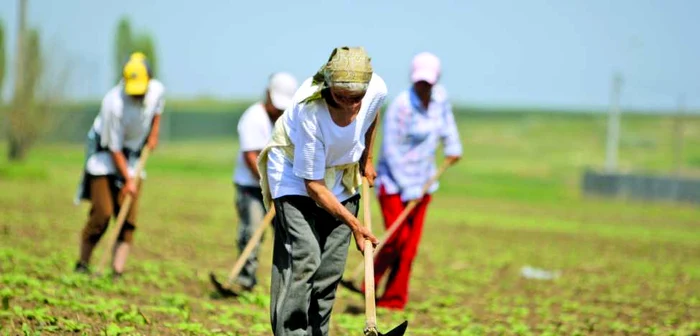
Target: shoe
x=82 y=268
x=116 y=276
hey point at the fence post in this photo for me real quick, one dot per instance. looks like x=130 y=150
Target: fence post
x=613 y=138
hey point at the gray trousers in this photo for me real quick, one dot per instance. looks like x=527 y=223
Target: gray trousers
x=309 y=257
x=249 y=205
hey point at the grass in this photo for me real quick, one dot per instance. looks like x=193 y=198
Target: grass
x=627 y=268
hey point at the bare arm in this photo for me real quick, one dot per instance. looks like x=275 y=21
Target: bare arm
x=251 y=161
x=120 y=162
x=122 y=167
x=452 y=145
x=318 y=191
x=366 y=162
x=152 y=141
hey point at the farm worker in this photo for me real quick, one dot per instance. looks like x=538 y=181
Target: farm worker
x=414 y=124
x=129 y=119
x=311 y=173
x=254 y=131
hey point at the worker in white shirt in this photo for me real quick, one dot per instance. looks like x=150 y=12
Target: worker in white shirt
x=311 y=172
x=129 y=119
x=254 y=131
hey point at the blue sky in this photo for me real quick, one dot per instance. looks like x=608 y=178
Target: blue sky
x=536 y=52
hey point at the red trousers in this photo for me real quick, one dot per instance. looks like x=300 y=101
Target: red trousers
x=399 y=251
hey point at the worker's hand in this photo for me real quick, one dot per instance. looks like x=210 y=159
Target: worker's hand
x=452 y=159
x=361 y=233
x=129 y=188
x=369 y=172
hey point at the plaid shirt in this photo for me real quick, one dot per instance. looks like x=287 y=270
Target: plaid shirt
x=410 y=138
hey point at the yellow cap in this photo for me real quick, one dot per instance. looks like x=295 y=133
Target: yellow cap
x=135 y=76
x=139 y=56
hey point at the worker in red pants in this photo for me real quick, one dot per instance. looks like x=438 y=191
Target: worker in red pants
x=416 y=122
x=400 y=249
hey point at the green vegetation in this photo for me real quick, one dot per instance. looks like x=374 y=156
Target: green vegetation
x=627 y=268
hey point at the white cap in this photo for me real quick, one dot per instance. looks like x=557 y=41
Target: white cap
x=425 y=67
x=282 y=87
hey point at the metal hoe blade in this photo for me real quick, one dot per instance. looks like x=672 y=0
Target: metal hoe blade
x=398 y=331
x=226 y=290
x=220 y=288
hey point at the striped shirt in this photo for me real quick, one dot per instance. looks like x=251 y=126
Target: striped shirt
x=411 y=135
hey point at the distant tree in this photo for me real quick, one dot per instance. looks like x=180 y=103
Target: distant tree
x=16 y=124
x=144 y=43
x=36 y=94
x=26 y=118
x=34 y=64
x=123 y=47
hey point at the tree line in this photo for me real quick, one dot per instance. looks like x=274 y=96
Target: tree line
x=37 y=93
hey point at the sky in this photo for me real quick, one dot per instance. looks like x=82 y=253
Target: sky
x=529 y=53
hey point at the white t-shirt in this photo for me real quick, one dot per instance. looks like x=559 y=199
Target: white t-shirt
x=254 y=131
x=124 y=123
x=319 y=143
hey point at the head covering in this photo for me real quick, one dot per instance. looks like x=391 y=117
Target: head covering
x=136 y=75
x=138 y=56
x=282 y=87
x=347 y=67
x=425 y=67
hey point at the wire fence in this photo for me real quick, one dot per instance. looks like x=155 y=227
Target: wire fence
x=641 y=186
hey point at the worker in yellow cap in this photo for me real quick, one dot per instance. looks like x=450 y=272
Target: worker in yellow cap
x=129 y=119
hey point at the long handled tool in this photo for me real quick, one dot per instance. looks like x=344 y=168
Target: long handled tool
x=123 y=211
x=350 y=284
x=370 y=303
x=225 y=289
